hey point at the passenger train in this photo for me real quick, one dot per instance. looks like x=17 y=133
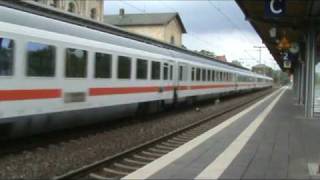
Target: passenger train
x=55 y=74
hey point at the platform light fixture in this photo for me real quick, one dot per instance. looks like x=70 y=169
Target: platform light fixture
x=284 y=42
x=273 y=32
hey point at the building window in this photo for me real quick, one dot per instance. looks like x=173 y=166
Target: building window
x=54 y=3
x=40 y=60
x=76 y=63
x=6 y=56
x=142 y=69
x=155 y=70
x=172 y=41
x=72 y=7
x=93 y=13
x=103 y=65
x=124 y=67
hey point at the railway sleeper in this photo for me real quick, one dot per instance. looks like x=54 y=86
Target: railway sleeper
x=142 y=163
x=124 y=166
x=156 y=150
x=99 y=177
x=144 y=158
x=187 y=136
x=170 y=145
x=115 y=172
x=181 y=139
x=163 y=147
x=151 y=154
x=176 y=141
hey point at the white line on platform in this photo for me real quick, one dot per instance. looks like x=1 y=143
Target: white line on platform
x=218 y=166
x=157 y=165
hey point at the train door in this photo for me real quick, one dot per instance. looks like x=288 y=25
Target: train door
x=168 y=82
x=182 y=78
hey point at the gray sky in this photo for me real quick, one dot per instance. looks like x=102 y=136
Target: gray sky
x=217 y=25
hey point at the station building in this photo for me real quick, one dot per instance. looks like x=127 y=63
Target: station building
x=92 y=9
x=165 y=27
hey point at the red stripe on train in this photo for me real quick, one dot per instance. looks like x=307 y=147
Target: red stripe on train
x=121 y=90
x=13 y=95
x=212 y=86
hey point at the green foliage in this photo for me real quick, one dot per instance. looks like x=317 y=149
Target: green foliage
x=206 y=53
x=238 y=63
x=281 y=78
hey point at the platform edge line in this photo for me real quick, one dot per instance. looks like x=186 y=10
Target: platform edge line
x=222 y=162
x=155 y=166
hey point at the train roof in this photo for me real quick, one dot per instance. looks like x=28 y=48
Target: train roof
x=97 y=32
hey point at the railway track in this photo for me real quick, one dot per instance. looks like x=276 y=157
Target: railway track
x=123 y=163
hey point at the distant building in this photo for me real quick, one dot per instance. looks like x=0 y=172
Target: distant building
x=166 y=27
x=92 y=9
x=262 y=69
x=221 y=58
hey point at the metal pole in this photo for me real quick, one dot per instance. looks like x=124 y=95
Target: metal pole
x=309 y=98
x=302 y=80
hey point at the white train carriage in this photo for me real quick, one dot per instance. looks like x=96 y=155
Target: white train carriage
x=55 y=74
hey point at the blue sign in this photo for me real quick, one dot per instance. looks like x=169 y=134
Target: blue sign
x=275 y=8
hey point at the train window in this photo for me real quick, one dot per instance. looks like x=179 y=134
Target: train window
x=171 y=72
x=180 y=73
x=76 y=63
x=103 y=64
x=6 y=56
x=198 y=74
x=142 y=69
x=124 y=67
x=213 y=75
x=40 y=60
x=155 y=70
x=204 y=75
x=165 y=71
x=209 y=75
x=193 y=74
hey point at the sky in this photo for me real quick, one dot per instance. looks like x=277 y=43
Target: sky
x=215 y=25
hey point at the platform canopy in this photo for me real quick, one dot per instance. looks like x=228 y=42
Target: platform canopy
x=282 y=26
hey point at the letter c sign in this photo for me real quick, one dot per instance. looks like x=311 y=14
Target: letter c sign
x=275 y=8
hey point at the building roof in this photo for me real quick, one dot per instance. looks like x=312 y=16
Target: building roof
x=221 y=58
x=143 y=19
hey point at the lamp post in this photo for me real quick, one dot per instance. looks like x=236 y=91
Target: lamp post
x=260 y=52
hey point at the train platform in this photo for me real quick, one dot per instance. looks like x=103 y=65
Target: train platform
x=269 y=140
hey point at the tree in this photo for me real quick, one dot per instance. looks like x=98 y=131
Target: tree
x=206 y=53
x=236 y=62
x=279 y=77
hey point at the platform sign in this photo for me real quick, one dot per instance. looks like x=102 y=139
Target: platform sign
x=287 y=64
x=275 y=8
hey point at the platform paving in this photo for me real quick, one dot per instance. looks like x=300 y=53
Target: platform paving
x=284 y=145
